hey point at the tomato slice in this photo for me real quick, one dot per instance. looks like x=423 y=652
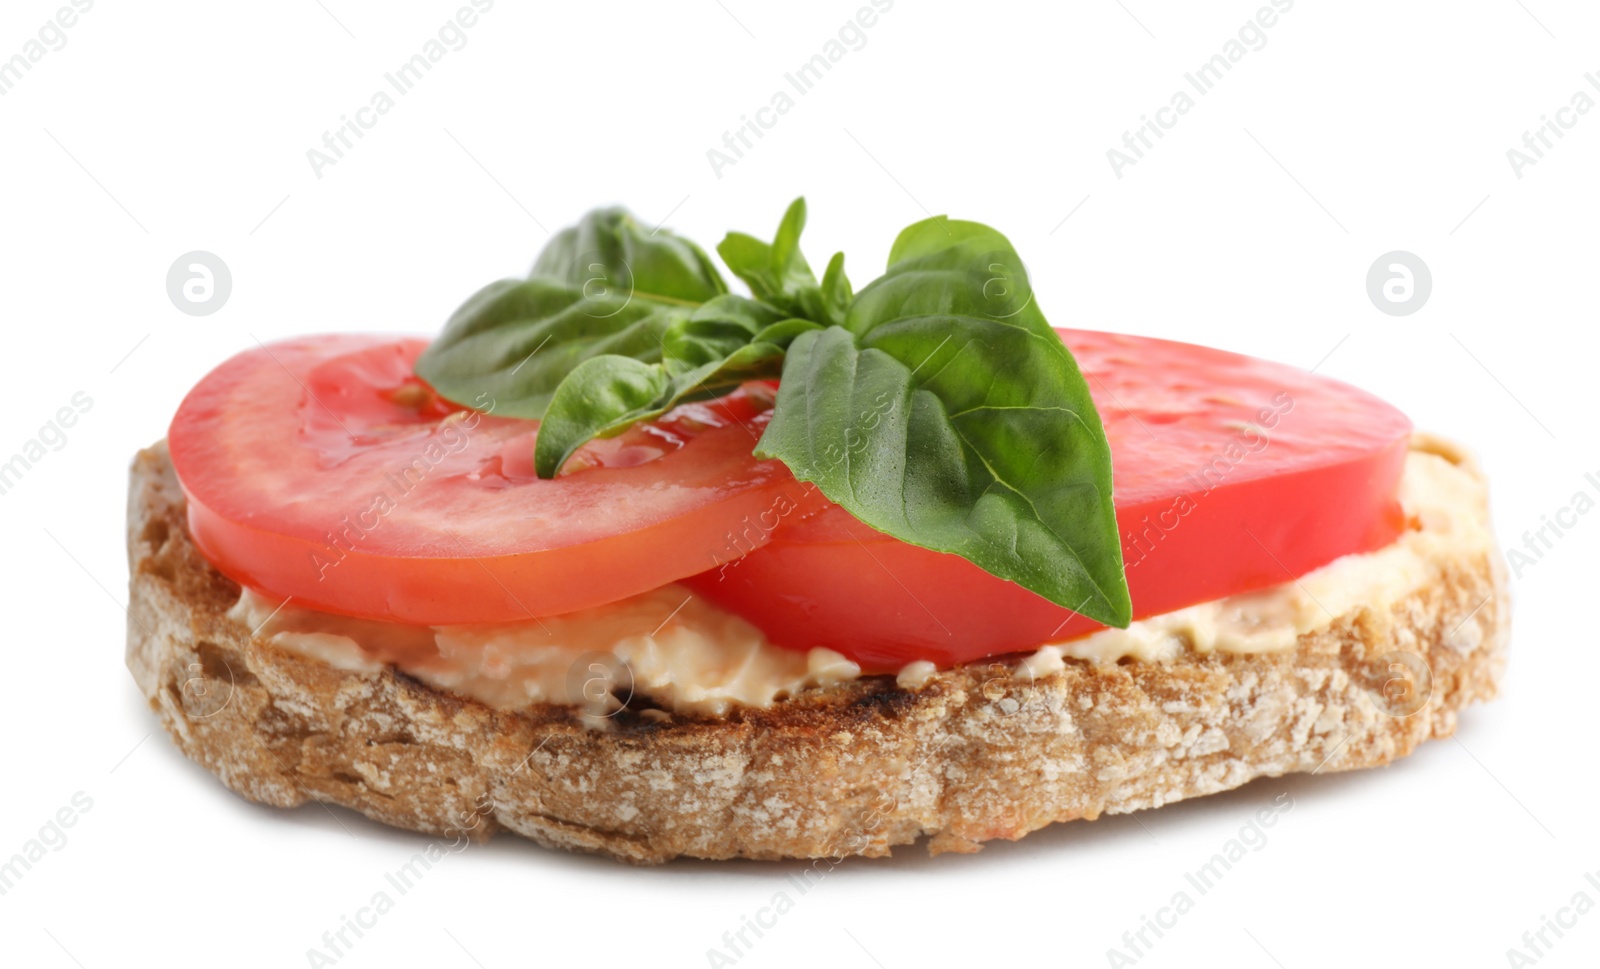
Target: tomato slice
x=322 y=469
x=1231 y=474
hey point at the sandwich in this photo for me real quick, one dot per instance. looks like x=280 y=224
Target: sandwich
x=627 y=562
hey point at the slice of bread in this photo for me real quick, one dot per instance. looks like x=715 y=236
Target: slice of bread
x=976 y=753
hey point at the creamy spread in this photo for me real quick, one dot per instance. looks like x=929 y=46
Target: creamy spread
x=1444 y=506
x=680 y=651
x=690 y=656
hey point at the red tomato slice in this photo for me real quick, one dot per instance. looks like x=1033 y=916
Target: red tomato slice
x=1231 y=474
x=323 y=469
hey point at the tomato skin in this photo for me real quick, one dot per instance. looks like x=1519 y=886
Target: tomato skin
x=1197 y=523
x=284 y=451
x=1231 y=474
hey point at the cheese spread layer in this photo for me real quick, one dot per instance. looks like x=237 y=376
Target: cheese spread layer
x=687 y=655
x=1446 y=509
x=677 y=649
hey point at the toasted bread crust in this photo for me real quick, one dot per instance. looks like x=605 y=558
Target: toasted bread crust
x=977 y=753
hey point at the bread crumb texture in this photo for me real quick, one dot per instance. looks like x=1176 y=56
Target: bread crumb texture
x=974 y=753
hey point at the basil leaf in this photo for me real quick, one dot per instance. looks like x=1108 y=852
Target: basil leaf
x=779 y=275
x=949 y=415
x=608 y=251
x=784 y=333
x=606 y=395
x=936 y=405
x=517 y=340
x=940 y=266
x=705 y=352
x=605 y=286
x=836 y=294
x=715 y=330
x=600 y=395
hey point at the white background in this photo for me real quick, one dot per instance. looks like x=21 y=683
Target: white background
x=1361 y=127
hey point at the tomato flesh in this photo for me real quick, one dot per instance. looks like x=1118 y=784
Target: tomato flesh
x=322 y=469
x=1230 y=474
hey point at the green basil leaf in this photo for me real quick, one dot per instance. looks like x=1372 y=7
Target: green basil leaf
x=936 y=405
x=760 y=359
x=715 y=330
x=604 y=286
x=944 y=267
x=773 y=272
x=724 y=343
x=784 y=333
x=755 y=361
x=778 y=274
x=950 y=415
x=608 y=251
x=518 y=339
x=606 y=395
x=599 y=396
x=836 y=294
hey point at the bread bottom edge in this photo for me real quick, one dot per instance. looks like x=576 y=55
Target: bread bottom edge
x=857 y=769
